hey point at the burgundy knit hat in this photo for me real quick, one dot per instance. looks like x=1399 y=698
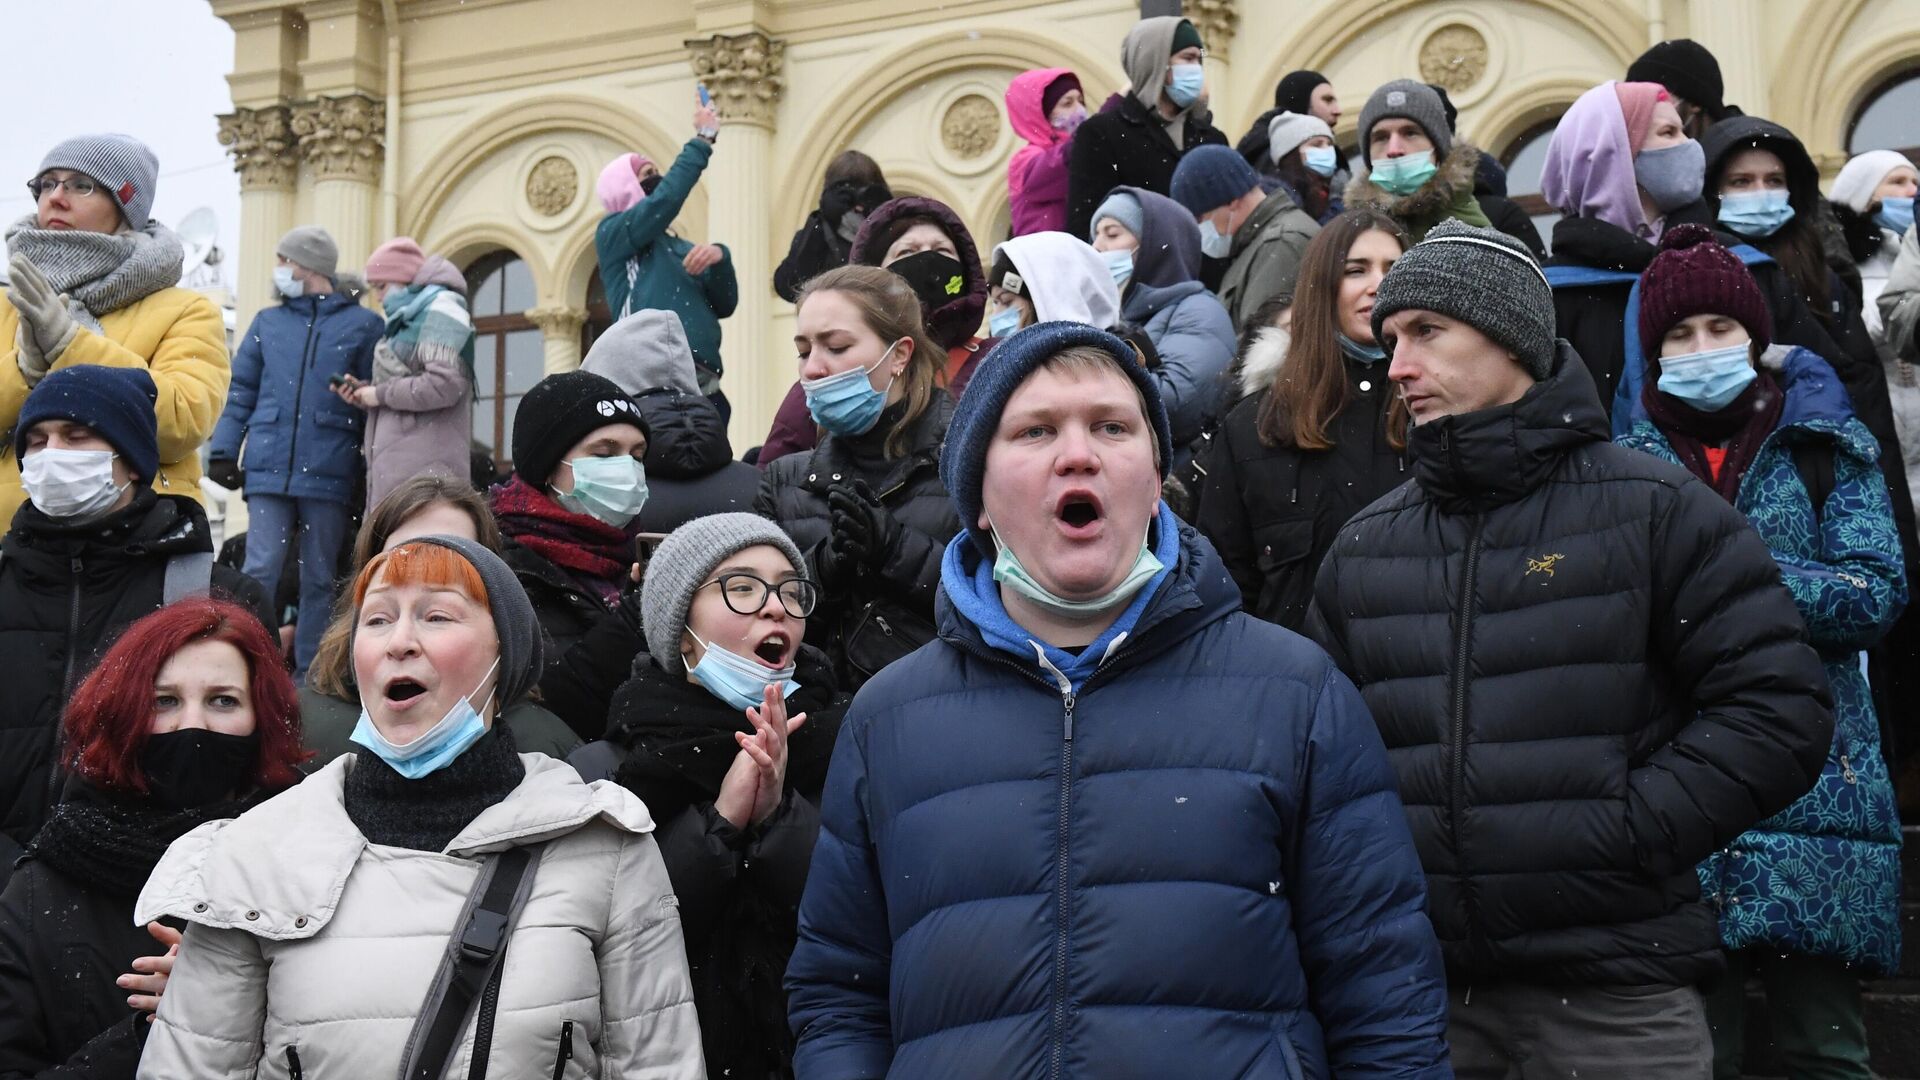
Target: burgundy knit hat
x=1694 y=275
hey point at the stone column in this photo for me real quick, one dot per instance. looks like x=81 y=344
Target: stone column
x=262 y=144
x=342 y=139
x=1731 y=30
x=1216 y=20
x=743 y=73
x=560 y=335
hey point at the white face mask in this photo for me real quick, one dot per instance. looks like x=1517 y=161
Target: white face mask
x=287 y=284
x=70 y=484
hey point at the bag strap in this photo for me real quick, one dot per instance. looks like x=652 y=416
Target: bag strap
x=471 y=960
x=1814 y=461
x=189 y=573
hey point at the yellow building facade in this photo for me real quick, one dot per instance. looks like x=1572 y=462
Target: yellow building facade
x=478 y=127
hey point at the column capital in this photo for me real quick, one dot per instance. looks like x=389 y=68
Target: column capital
x=343 y=137
x=1216 y=21
x=743 y=73
x=558 y=321
x=263 y=146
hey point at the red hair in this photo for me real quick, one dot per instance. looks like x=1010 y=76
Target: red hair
x=110 y=715
x=420 y=563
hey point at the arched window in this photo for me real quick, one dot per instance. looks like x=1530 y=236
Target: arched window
x=508 y=354
x=1524 y=158
x=599 y=315
x=1886 y=121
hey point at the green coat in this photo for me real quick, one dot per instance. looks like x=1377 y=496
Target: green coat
x=326 y=722
x=1266 y=254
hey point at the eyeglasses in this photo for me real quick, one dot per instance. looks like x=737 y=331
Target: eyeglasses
x=78 y=186
x=746 y=594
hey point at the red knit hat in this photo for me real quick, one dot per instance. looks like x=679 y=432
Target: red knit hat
x=1694 y=275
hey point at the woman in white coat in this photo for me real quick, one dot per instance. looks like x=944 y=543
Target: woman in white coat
x=318 y=921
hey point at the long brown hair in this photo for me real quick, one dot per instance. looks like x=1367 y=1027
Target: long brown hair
x=1312 y=387
x=331 y=672
x=890 y=309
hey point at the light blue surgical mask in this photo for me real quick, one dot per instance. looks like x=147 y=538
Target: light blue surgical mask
x=1188 y=81
x=1756 y=213
x=736 y=680
x=287 y=286
x=1366 y=354
x=1214 y=244
x=1895 y=214
x=1003 y=323
x=1324 y=160
x=847 y=404
x=610 y=489
x=438 y=746
x=1710 y=380
x=1120 y=265
x=1008 y=571
x=1403 y=175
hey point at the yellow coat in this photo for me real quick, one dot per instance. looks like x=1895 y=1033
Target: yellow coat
x=178 y=336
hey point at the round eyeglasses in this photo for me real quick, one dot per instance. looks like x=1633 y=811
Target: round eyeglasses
x=746 y=594
x=78 y=186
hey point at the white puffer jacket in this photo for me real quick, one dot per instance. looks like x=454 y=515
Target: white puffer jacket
x=310 y=951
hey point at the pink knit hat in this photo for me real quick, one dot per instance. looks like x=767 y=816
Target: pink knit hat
x=619 y=187
x=397 y=260
x=1637 y=100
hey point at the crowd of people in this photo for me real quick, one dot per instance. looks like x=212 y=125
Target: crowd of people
x=1265 y=616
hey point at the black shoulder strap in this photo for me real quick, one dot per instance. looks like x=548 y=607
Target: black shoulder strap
x=1814 y=462
x=472 y=956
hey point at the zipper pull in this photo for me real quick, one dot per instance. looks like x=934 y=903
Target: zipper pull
x=1846 y=770
x=1068 y=699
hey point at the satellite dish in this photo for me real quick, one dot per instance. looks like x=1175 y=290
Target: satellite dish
x=199 y=234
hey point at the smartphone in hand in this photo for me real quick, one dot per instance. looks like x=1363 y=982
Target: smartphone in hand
x=706 y=99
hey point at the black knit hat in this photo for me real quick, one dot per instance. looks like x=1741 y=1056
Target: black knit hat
x=1005 y=275
x=1058 y=89
x=1186 y=36
x=558 y=412
x=1687 y=70
x=1295 y=92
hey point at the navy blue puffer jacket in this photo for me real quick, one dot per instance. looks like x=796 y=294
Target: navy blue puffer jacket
x=1188 y=863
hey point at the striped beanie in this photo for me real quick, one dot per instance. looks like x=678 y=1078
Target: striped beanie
x=120 y=163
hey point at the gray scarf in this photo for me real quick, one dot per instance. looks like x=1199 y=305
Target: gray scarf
x=100 y=272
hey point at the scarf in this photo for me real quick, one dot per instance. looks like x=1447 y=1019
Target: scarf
x=100 y=272
x=413 y=324
x=1741 y=428
x=426 y=814
x=112 y=842
x=594 y=550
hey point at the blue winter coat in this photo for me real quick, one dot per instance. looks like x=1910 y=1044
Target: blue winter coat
x=1188 y=325
x=1176 y=854
x=302 y=440
x=1822 y=877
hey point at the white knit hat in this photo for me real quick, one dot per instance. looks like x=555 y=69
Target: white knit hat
x=1862 y=175
x=1290 y=129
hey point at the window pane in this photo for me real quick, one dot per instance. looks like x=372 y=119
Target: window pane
x=485 y=374
x=1523 y=176
x=519 y=294
x=506 y=441
x=483 y=422
x=486 y=295
x=1888 y=123
x=526 y=361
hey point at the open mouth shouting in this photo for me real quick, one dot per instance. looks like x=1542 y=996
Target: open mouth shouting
x=402 y=692
x=1079 y=514
x=776 y=650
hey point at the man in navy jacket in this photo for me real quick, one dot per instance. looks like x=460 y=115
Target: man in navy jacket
x=1107 y=825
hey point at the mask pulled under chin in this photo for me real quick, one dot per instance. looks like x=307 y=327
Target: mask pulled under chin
x=434 y=750
x=1009 y=571
x=737 y=680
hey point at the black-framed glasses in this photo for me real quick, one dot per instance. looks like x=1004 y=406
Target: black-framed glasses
x=78 y=185
x=746 y=593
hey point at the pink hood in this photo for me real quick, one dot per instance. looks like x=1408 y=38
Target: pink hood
x=1023 y=107
x=619 y=188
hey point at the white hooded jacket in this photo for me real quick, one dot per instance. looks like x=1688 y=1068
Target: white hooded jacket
x=1065 y=278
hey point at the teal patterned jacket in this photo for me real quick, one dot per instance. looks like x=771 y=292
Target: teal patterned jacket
x=1822 y=877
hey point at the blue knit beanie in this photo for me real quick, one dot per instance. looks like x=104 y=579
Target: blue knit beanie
x=963 y=459
x=116 y=402
x=1122 y=206
x=1211 y=176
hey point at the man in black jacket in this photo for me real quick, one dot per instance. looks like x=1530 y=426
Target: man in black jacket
x=1585 y=668
x=1139 y=137
x=93 y=550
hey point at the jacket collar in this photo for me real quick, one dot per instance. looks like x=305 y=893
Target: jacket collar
x=1599 y=244
x=1433 y=200
x=1480 y=460
x=1277 y=202
x=836 y=453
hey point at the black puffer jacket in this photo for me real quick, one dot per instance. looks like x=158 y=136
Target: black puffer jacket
x=894 y=600
x=1125 y=145
x=1588 y=676
x=589 y=648
x=1272 y=512
x=690 y=467
x=65 y=593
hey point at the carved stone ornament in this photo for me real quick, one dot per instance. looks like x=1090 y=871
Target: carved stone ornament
x=1215 y=19
x=552 y=185
x=742 y=72
x=342 y=137
x=557 y=322
x=1455 y=57
x=262 y=144
x=971 y=126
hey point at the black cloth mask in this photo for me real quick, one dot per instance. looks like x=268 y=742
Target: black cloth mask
x=936 y=277
x=193 y=767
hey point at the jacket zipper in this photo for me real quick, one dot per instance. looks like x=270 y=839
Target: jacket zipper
x=1457 y=738
x=293 y=1064
x=1061 y=848
x=566 y=1050
x=300 y=390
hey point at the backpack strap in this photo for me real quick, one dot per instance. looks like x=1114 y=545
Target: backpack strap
x=189 y=573
x=1814 y=461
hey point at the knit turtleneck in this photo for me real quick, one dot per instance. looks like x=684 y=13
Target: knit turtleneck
x=426 y=814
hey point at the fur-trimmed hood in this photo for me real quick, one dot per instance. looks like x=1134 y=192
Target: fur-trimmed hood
x=1434 y=201
x=1261 y=359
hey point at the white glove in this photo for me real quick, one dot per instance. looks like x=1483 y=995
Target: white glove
x=46 y=326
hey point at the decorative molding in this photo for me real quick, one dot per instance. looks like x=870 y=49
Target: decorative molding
x=970 y=126
x=262 y=143
x=343 y=138
x=1216 y=20
x=558 y=322
x=1454 y=56
x=743 y=73
x=552 y=185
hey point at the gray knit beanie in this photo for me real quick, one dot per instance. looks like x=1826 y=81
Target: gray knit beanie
x=645 y=351
x=1122 y=207
x=313 y=249
x=120 y=163
x=1484 y=278
x=521 y=649
x=1413 y=101
x=682 y=563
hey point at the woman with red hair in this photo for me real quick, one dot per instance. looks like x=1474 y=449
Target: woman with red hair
x=188 y=718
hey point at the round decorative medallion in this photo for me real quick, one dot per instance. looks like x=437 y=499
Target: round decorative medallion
x=1455 y=57
x=971 y=126
x=552 y=185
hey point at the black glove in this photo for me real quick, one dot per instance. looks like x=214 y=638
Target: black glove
x=871 y=197
x=226 y=472
x=866 y=530
x=837 y=200
x=835 y=566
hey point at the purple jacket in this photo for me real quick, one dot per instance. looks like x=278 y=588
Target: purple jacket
x=1037 y=173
